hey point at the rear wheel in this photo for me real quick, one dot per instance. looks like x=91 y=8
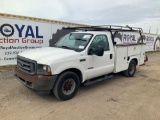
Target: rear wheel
x=66 y=85
x=131 y=69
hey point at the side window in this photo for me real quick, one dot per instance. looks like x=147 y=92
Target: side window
x=100 y=40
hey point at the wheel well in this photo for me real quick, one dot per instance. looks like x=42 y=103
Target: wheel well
x=77 y=71
x=134 y=59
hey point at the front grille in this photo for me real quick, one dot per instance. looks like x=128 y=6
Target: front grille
x=26 y=65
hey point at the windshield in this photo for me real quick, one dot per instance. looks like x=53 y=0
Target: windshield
x=74 y=41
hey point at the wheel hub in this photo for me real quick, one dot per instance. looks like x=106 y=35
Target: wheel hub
x=68 y=86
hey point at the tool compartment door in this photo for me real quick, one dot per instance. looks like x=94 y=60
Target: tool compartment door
x=121 y=63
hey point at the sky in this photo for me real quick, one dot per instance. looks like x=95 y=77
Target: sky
x=135 y=13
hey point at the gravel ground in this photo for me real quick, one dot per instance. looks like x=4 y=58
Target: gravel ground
x=119 y=98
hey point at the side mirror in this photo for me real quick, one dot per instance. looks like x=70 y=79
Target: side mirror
x=99 y=51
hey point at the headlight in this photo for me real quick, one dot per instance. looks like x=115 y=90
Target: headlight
x=43 y=70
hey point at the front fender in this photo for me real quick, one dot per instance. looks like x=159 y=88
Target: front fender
x=60 y=67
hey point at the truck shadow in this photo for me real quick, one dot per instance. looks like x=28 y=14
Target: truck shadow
x=84 y=90
x=104 y=83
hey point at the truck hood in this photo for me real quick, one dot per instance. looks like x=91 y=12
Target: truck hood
x=47 y=55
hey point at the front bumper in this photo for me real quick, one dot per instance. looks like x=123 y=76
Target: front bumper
x=36 y=82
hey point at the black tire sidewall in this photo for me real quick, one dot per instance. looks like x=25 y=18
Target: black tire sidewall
x=158 y=38
x=63 y=77
x=129 y=73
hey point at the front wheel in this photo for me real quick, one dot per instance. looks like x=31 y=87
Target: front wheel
x=131 y=69
x=66 y=85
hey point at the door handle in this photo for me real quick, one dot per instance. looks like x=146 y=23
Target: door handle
x=111 y=56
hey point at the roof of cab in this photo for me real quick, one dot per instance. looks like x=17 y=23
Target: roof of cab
x=92 y=32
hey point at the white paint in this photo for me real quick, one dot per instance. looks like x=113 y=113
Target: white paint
x=60 y=59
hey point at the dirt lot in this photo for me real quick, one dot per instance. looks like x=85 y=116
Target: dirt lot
x=119 y=98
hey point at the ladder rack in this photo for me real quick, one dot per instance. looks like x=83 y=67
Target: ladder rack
x=113 y=29
x=106 y=28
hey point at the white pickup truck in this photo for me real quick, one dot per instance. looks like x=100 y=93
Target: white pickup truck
x=89 y=55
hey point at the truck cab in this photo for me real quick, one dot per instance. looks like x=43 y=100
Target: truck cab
x=79 y=57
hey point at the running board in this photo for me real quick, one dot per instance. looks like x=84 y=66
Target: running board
x=97 y=79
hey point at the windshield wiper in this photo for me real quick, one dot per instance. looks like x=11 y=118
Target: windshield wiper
x=81 y=39
x=66 y=47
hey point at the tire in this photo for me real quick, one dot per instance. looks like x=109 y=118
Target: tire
x=155 y=48
x=131 y=69
x=66 y=86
